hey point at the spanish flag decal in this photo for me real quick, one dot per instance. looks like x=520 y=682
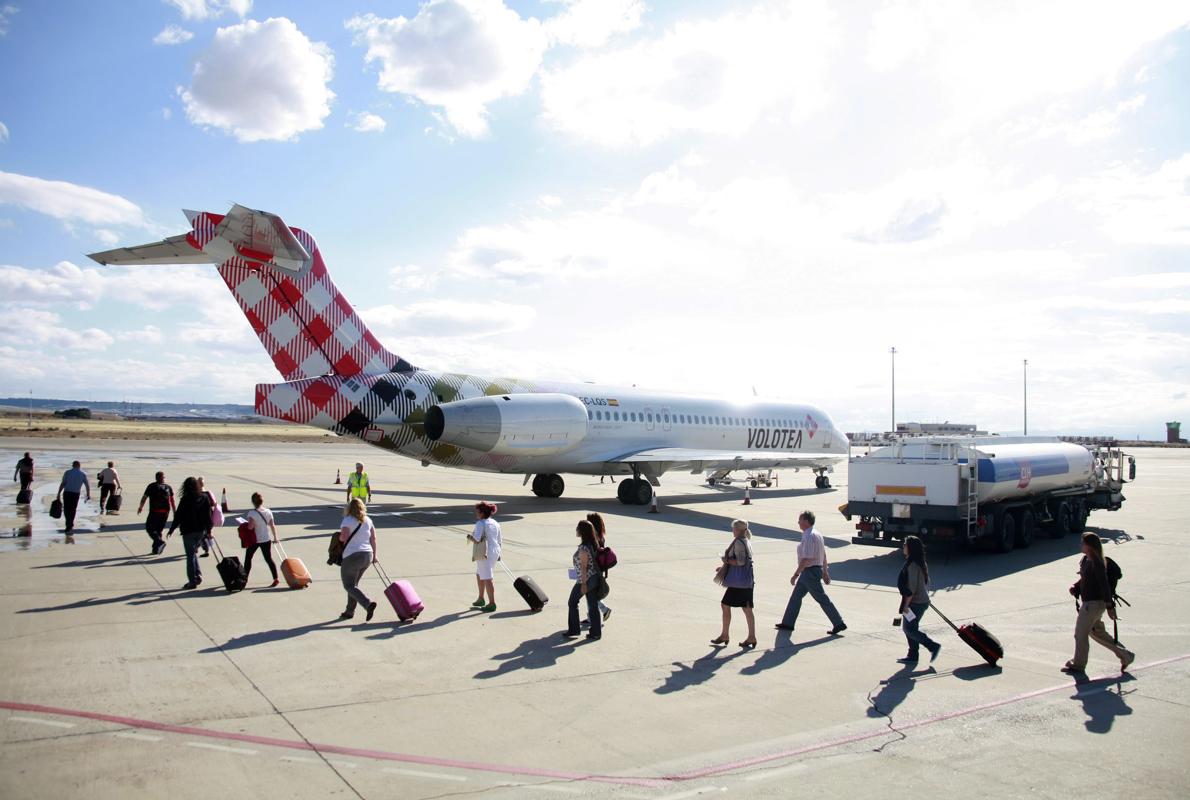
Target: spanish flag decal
x=611 y=401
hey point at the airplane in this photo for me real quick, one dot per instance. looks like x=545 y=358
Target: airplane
x=338 y=376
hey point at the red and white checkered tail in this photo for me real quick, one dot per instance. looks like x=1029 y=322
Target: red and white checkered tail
x=277 y=275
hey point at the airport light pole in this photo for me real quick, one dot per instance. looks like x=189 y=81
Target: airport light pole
x=892 y=351
x=1025 y=387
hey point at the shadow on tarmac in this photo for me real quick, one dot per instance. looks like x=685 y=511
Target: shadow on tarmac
x=265 y=637
x=399 y=628
x=532 y=654
x=700 y=670
x=1100 y=703
x=134 y=599
x=781 y=652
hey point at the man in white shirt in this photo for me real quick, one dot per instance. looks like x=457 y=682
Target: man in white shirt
x=812 y=572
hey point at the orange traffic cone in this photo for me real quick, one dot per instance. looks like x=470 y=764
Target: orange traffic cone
x=338 y=477
x=223 y=503
x=747 y=496
x=653 y=505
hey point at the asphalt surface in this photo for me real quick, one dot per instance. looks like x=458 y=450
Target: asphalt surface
x=118 y=683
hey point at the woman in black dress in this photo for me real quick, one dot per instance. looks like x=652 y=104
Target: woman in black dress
x=740 y=581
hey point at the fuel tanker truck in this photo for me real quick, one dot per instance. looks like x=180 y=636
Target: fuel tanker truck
x=997 y=488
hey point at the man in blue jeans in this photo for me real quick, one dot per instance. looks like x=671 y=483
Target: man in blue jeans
x=74 y=481
x=812 y=572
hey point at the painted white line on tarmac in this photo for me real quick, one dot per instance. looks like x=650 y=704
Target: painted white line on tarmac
x=548 y=787
x=416 y=773
x=140 y=737
x=342 y=764
x=300 y=760
x=693 y=793
x=776 y=773
x=50 y=722
x=222 y=748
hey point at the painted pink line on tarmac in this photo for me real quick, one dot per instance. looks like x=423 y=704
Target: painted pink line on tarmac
x=744 y=763
x=295 y=744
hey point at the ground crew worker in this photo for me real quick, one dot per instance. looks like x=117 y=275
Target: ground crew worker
x=358 y=485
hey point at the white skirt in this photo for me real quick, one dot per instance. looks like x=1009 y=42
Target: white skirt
x=486 y=568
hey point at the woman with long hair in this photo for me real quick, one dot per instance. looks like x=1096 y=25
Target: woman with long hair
x=914 y=585
x=596 y=520
x=485 y=552
x=586 y=584
x=358 y=535
x=1093 y=589
x=740 y=582
x=263 y=525
x=193 y=516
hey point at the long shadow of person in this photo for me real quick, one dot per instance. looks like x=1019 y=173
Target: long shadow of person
x=264 y=637
x=1101 y=704
x=893 y=691
x=781 y=652
x=530 y=654
x=699 y=671
x=399 y=628
x=136 y=599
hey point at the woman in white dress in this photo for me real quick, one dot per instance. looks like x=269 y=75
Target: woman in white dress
x=485 y=552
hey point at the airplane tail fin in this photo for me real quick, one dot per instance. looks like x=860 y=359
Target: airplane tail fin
x=277 y=276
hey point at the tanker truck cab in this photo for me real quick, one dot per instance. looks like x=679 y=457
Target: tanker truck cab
x=1003 y=490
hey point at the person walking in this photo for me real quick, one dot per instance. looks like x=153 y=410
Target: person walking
x=74 y=481
x=358 y=485
x=596 y=520
x=740 y=580
x=193 y=517
x=1093 y=588
x=160 y=497
x=262 y=521
x=812 y=572
x=586 y=584
x=486 y=545
x=109 y=484
x=24 y=472
x=358 y=535
x=913 y=582
x=216 y=515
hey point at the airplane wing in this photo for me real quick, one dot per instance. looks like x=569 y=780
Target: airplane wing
x=174 y=250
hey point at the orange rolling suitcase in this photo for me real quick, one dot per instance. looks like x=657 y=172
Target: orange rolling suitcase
x=295 y=572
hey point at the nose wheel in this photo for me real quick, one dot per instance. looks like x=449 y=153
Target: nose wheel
x=822 y=481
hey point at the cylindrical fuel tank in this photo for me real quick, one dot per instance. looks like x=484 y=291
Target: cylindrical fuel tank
x=1019 y=469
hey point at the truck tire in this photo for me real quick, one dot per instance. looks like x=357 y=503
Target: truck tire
x=1005 y=532
x=1026 y=524
x=1063 y=520
x=1078 y=519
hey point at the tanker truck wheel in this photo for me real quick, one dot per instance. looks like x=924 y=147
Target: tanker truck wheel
x=1079 y=514
x=1063 y=519
x=1005 y=532
x=1025 y=526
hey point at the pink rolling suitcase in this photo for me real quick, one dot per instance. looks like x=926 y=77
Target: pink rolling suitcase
x=402 y=595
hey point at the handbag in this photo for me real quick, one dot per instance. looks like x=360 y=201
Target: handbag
x=721 y=575
x=605 y=557
x=479 y=549
x=335 y=551
x=247 y=532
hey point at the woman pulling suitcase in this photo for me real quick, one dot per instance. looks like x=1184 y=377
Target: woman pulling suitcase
x=485 y=552
x=913 y=583
x=193 y=516
x=358 y=535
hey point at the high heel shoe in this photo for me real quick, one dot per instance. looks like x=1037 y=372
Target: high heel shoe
x=721 y=640
x=748 y=644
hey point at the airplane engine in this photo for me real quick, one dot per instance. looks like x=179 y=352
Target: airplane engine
x=511 y=424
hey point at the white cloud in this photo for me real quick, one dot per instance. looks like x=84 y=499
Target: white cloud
x=714 y=76
x=3 y=133
x=150 y=334
x=457 y=55
x=209 y=9
x=153 y=288
x=1139 y=207
x=1154 y=280
x=166 y=113
x=366 y=122
x=411 y=278
x=173 y=34
x=107 y=237
x=62 y=283
x=68 y=202
x=549 y=201
x=33 y=327
x=261 y=81
x=591 y=23
x=7 y=12
x=448 y=318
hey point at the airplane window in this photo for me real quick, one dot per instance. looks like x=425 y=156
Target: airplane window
x=649 y=416
x=590 y=415
x=704 y=421
x=667 y=417
x=617 y=416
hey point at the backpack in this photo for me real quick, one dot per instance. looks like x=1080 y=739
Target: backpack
x=605 y=557
x=1114 y=574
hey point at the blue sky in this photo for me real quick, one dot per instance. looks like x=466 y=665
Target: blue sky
x=697 y=196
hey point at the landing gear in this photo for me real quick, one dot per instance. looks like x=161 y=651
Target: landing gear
x=548 y=485
x=635 y=492
x=822 y=481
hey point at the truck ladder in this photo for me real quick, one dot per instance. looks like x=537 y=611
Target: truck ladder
x=971 y=505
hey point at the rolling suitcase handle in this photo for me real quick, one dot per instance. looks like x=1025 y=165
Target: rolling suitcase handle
x=506 y=569
x=281 y=550
x=218 y=549
x=945 y=618
x=383 y=575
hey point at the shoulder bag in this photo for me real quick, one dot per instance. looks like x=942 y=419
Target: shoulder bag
x=740 y=576
x=479 y=549
x=335 y=551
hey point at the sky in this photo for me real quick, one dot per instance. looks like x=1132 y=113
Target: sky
x=705 y=197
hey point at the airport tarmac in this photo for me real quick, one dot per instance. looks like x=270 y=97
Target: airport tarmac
x=117 y=683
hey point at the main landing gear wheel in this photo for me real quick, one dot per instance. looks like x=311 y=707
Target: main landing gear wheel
x=822 y=482
x=634 y=492
x=548 y=485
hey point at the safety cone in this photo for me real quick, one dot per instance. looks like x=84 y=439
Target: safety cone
x=338 y=477
x=653 y=505
x=223 y=503
x=747 y=496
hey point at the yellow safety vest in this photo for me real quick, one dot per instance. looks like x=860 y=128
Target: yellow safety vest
x=357 y=485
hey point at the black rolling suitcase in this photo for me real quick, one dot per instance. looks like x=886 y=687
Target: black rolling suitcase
x=978 y=638
x=114 y=501
x=528 y=589
x=230 y=570
x=25 y=497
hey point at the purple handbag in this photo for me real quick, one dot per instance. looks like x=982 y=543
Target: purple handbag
x=742 y=576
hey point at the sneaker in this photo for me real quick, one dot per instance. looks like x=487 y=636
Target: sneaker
x=835 y=631
x=907 y=660
x=371 y=611
x=592 y=637
x=205 y=553
x=607 y=612
x=490 y=607
x=190 y=586
x=934 y=653
x=1128 y=658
